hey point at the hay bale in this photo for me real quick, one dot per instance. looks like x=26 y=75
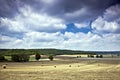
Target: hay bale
x=4 y=66
x=69 y=65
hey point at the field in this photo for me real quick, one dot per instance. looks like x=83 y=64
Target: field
x=63 y=67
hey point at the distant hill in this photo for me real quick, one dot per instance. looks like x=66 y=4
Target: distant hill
x=107 y=52
x=41 y=51
x=52 y=51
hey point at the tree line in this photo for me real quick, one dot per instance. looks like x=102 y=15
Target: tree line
x=9 y=52
x=24 y=57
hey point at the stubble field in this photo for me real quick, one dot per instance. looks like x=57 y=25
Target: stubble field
x=62 y=68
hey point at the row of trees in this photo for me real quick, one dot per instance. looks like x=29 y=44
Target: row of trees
x=23 y=57
x=2 y=58
x=97 y=56
x=38 y=56
x=10 y=52
x=26 y=57
x=20 y=57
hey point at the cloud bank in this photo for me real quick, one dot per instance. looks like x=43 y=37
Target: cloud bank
x=64 y=24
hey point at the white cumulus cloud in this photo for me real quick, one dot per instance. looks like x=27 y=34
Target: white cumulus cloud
x=82 y=25
x=101 y=25
x=109 y=22
x=40 y=30
x=69 y=40
x=28 y=20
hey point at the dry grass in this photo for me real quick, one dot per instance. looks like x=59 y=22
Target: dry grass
x=61 y=70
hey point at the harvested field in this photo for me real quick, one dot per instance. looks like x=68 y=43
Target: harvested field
x=59 y=69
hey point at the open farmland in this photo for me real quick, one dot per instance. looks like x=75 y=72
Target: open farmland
x=62 y=68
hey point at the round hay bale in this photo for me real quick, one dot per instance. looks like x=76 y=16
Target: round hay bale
x=69 y=65
x=4 y=66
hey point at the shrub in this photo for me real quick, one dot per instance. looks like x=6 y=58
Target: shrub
x=15 y=57
x=88 y=56
x=101 y=56
x=78 y=56
x=51 y=57
x=2 y=58
x=37 y=56
x=20 y=57
x=91 y=56
x=118 y=54
x=97 y=56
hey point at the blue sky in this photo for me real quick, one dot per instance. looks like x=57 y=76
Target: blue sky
x=71 y=27
x=89 y=25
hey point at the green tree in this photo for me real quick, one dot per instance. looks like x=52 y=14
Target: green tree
x=97 y=56
x=101 y=56
x=20 y=57
x=51 y=57
x=37 y=56
x=2 y=58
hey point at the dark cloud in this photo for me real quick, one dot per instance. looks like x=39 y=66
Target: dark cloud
x=8 y=8
x=68 y=10
x=109 y=22
x=36 y=4
x=4 y=31
x=112 y=13
x=93 y=8
x=59 y=8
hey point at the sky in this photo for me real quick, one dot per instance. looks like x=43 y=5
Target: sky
x=88 y=25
